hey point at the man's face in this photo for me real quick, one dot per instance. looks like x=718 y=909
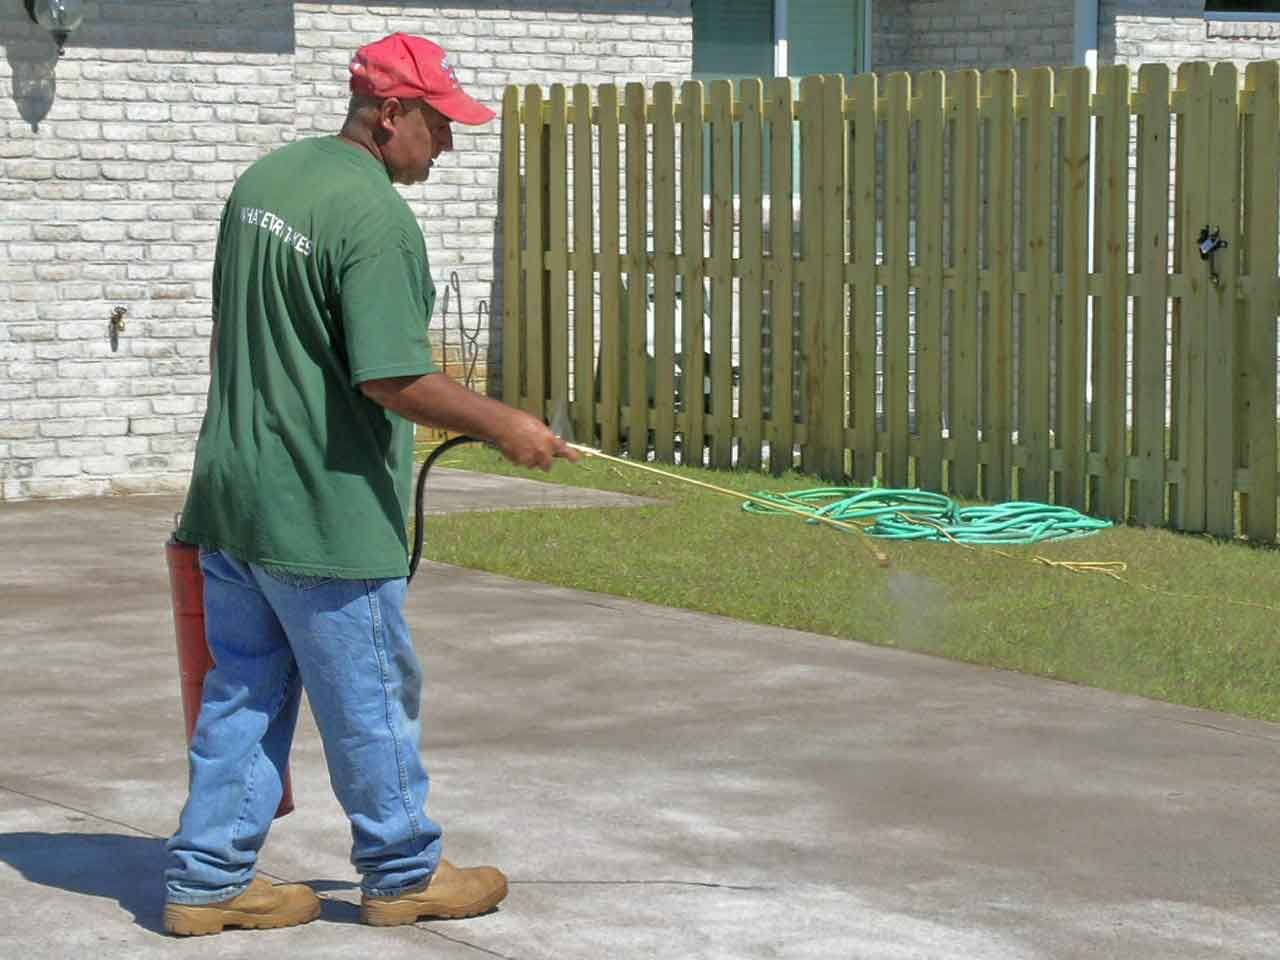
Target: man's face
x=417 y=133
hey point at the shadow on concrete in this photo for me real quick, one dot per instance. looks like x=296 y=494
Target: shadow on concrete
x=333 y=909
x=127 y=869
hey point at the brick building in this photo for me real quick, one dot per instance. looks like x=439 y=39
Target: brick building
x=116 y=160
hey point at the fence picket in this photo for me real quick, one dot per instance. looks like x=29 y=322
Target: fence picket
x=966 y=199
x=664 y=271
x=932 y=121
x=635 y=332
x=1191 y=309
x=720 y=270
x=512 y=268
x=692 y=402
x=610 y=264
x=535 y=263
x=751 y=271
x=584 y=271
x=558 y=250
x=1262 y=211
x=897 y=254
x=781 y=276
x=998 y=346
x=1110 y=322
x=1221 y=453
x=1072 y=368
x=834 y=328
x=809 y=274
x=1038 y=313
x=862 y=361
x=1151 y=249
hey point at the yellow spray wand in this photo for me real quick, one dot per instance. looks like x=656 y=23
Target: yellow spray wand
x=880 y=557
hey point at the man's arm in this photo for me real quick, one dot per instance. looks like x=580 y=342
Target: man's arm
x=434 y=400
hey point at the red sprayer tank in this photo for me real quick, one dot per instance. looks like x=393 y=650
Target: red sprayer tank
x=186 y=583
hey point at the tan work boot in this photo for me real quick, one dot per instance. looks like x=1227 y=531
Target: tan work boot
x=451 y=893
x=263 y=906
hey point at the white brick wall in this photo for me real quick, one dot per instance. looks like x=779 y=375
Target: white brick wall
x=112 y=195
x=1134 y=32
x=112 y=198
x=917 y=35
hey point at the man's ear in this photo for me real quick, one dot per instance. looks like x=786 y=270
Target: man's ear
x=388 y=110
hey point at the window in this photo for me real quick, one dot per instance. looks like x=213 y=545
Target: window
x=825 y=36
x=734 y=39
x=1242 y=9
x=765 y=38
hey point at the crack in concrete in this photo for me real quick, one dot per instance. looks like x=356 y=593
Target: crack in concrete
x=464 y=943
x=642 y=883
x=84 y=813
x=1239 y=733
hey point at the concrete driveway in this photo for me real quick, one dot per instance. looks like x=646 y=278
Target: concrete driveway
x=657 y=784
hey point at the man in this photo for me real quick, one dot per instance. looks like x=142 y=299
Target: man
x=298 y=499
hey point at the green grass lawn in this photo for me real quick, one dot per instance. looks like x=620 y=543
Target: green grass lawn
x=700 y=551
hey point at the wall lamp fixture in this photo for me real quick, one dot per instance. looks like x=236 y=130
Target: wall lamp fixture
x=59 y=17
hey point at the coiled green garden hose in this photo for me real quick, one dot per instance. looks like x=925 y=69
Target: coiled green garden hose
x=920 y=515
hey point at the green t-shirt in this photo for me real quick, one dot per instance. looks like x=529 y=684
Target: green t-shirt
x=320 y=282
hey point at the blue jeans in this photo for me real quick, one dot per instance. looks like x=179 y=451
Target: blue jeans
x=346 y=642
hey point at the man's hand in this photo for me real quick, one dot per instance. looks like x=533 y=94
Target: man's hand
x=528 y=442
x=436 y=401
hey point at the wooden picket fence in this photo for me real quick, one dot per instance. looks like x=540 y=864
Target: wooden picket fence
x=916 y=303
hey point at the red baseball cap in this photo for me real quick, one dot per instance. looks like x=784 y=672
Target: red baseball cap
x=417 y=69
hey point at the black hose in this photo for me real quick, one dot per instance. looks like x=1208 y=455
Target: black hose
x=419 y=503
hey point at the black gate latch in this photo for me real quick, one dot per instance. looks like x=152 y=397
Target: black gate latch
x=1211 y=243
